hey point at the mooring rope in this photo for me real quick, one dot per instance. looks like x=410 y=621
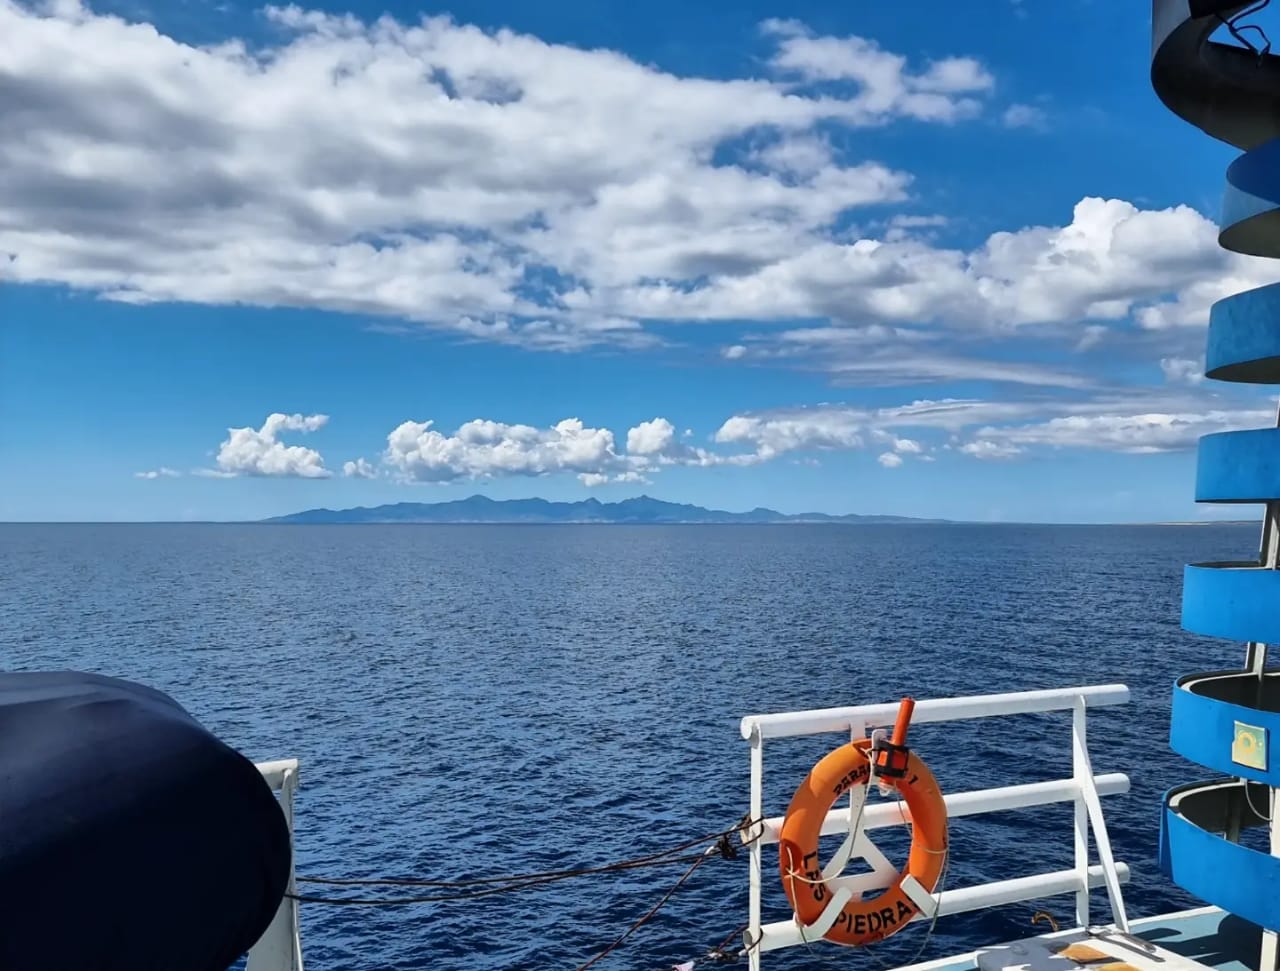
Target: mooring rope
x=473 y=888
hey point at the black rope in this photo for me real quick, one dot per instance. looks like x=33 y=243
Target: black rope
x=723 y=836
x=513 y=885
x=477 y=887
x=648 y=915
x=1238 y=32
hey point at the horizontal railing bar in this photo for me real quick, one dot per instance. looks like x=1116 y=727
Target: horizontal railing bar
x=273 y=772
x=786 y=933
x=817 y=721
x=1001 y=799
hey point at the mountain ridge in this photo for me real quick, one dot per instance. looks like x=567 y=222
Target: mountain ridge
x=637 y=510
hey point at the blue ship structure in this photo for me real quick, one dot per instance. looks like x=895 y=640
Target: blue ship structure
x=1228 y=721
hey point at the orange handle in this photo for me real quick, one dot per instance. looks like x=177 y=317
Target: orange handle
x=905 y=709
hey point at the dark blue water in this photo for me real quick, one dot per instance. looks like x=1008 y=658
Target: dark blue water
x=472 y=700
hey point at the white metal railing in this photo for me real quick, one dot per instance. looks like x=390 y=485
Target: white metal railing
x=1083 y=788
x=280 y=946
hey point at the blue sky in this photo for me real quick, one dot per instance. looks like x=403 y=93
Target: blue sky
x=809 y=256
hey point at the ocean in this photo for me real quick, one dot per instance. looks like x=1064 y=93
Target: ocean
x=481 y=700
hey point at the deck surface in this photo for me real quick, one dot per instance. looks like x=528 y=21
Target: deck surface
x=1207 y=935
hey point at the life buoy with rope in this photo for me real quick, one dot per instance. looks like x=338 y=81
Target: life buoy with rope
x=891 y=764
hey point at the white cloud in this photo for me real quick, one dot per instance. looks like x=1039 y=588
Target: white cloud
x=772 y=435
x=359 y=469
x=654 y=437
x=164 y=472
x=1134 y=433
x=986 y=449
x=889 y=460
x=895 y=366
x=1178 y=370
x=250 y=451
x=1023 y=116
x=506 y=189
x=654 y=443
x=484 y=449
x=1091 y=336
x=431 y=171
x=887 y=86
x=213 y=474
x=804 y=155
x=996 y=429
x=910 y=221
x=1110 y=261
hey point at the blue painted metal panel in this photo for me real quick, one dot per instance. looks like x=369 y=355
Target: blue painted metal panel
x=1249 y=205
x=1204 y=730
x=1238 y=207
x=1238 y=601
x=1239 y=466
x=1257 y=173
x=1244 y=337
x=1235 y=878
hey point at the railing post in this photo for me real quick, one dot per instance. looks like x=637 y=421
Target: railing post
x=1093 y=807
x=1079 y=743
x=752 y=942
x=280 y=947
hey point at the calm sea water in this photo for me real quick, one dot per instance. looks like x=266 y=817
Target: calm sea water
x=475 y=700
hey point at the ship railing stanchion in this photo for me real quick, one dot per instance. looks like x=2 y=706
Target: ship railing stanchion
x=755 y=834
x=1088 y=798
x=1079 y=740
x=280 y=947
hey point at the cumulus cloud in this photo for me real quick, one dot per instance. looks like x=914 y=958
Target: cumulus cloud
x=987 y=449
x=1133 y=422
x=901 y=310
x=651 y=437
x=940 y=92
x=1112 y=260
x=359 y=469
x=981 y=429
x=164 y=472
x=1178 y=370
x=432 y=170
x=505 y=189
x=483 y=449
x=655 y=442
x=802 y=155
x=250 y=451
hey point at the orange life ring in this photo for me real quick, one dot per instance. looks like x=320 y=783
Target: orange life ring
x=861 y=921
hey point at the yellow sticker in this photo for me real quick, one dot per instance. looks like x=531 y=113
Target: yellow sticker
x=1249 y=748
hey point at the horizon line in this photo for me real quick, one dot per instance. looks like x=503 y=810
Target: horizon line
x=901 y=521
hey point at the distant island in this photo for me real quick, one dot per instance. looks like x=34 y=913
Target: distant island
x=643 y=509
